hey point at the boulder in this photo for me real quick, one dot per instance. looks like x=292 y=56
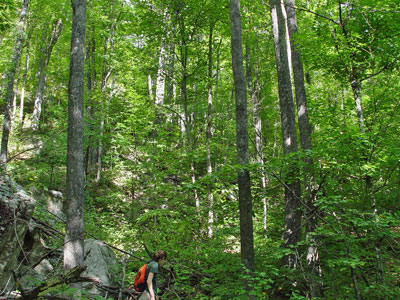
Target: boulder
x=55 y=205
x=101 y=264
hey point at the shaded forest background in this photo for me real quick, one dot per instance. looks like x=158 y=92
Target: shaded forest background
x=160 y=140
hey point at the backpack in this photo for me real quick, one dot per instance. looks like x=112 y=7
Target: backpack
x=140 y=279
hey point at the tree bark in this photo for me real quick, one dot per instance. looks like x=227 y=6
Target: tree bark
x=160 y=85
x=171 y=87
x=74 y=206
x=209 y=130
x=314 y=270
x=14 y=102
x=22 y=98
x=44 y=59
x=91 y=84
x=10 y=77
x=288 y=126
x=254 y=92
x=245 y=200
x=150 y=86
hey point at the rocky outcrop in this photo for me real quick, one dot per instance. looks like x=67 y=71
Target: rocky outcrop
x=28 y=245
x=16 y=208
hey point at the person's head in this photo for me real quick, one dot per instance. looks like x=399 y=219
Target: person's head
x=160 y=256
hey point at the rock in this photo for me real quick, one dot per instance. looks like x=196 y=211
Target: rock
x=41 y=261
x=27 y=247
x=101 y=264
x=16 y=208
x=55 y=204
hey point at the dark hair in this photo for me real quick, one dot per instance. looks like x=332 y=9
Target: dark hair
x=159 y=255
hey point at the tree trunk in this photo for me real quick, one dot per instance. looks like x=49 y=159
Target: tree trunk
x=245 y=200
x=91 y=84
x=44 y=59
x=14 y=102
x=150 y=86
x=288 y=126
x=314 y=270
x=356 y=88
x=209 y=130
x=160 y=85
x=106 y=73
x=74 y=205
x=171 y=87
x=254 y=92
x=10 y=77
x=22 y=99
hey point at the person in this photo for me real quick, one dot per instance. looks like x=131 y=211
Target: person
x=158 y=259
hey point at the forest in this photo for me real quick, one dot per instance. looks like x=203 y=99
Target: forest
x=256 y=142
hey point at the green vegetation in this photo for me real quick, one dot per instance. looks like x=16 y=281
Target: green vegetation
x=146 y=162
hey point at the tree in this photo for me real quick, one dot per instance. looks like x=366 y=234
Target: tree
x=314 y=269
x=10 y=75
x=289 y=135
x=242 y=139
x=74 y=208
x=209 y=131
x=48 y=40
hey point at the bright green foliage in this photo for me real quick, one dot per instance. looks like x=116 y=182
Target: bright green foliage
x=146 y=192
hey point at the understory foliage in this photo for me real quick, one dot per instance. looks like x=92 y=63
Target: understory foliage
x=146 y=162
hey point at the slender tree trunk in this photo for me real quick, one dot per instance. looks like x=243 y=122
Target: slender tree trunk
x=14 y=102
x=91 y=84
x=171 y=87
x=254 y=92
x=245 y=200
x=106 y=73
x=22 y=99
x=356 y=88
x=100 y=147
x=10 y=77
x=150 y=86
x=74 y=205
x=187 y=125
x=314 y=270
x=289 y=135
x=160 y=85
x=44 y=59
x=209 y=135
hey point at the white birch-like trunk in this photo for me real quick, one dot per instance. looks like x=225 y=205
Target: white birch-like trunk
x=150 y=86
x=14 y=105
x=160 y=84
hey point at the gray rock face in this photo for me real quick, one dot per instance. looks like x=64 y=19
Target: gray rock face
x=55 y=204
x=101 y=264
x=25 y=244
x=16 y=208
